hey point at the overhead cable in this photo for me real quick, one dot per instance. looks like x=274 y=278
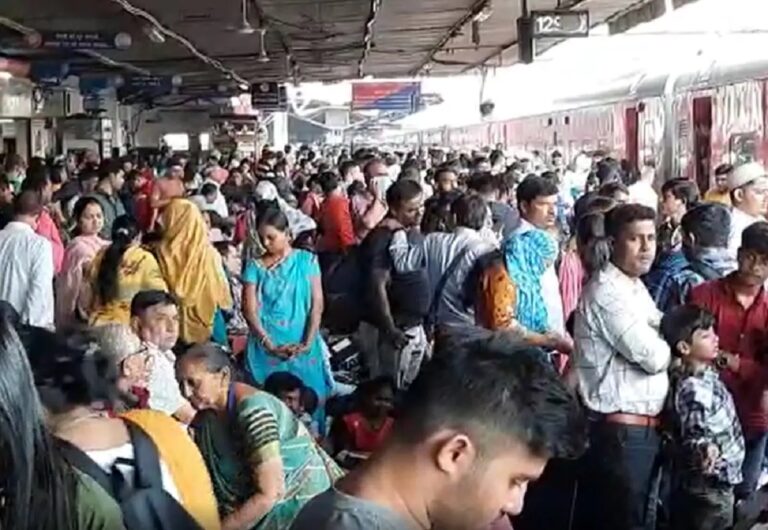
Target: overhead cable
x=210 y=61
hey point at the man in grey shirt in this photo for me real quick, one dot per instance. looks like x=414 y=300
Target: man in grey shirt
x=477 y=425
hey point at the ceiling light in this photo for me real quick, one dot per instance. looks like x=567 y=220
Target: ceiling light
x=154 y=34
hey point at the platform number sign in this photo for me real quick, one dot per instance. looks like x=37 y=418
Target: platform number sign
x=560 y=24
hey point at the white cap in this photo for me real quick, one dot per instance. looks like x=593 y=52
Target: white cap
x=745 y=174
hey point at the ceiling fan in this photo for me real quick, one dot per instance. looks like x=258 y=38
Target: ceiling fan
x=245 y=27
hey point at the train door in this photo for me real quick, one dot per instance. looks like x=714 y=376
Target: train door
x=632 y=136
x=702 y=140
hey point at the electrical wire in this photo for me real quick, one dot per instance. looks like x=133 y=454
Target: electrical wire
x=27 y=31
x=368 y=36
x=210 y=61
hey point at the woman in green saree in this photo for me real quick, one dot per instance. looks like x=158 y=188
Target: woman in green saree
x=263 y=462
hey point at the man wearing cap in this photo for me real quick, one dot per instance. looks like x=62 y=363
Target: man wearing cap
x=748 y=185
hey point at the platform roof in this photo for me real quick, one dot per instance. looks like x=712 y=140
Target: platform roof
x=306 y=40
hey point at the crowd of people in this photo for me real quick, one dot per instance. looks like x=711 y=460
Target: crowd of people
x=319 y=338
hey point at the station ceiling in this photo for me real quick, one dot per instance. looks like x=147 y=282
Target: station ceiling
x=207 y=41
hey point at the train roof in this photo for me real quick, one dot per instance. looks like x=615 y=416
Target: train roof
x=697 y=75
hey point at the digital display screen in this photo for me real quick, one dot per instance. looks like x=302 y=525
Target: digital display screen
x=549 y=24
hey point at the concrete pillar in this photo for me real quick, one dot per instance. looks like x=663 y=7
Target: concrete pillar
x=279 y=130
x=22 y=138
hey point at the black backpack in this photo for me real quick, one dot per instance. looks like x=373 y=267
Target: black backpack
x=145 y=505
x=343 y=290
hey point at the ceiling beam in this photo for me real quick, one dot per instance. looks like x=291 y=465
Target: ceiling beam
x=451 y=33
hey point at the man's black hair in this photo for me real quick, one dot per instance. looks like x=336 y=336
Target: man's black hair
x=617 y=219
x=609 y=170
x=489 y=387
x=532 y=187
x=108 y=168
x=402 y=191
x=36 y=181
x=28 y=202
x=709 y=223
x=445 y=168
x=755 y=238
x=470 y=211
x=610 y=189
x=723 y=169
x=483 y=183
x=680 y=323
x=144 y=300
x=346 y=167
x=282 y=382
x=209 y=188
x=682 y=189
x=328 y=182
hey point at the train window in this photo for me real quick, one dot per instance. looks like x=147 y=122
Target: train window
x=550 y=122
x=567 y=120
x=743 y=147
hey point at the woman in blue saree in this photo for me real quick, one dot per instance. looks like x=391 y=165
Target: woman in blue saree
x=283 y=304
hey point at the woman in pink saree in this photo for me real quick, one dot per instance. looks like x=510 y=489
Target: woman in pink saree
x=81 y=250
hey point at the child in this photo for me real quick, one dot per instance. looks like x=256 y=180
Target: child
x=709 y=442
x=360 y=433
x=300 y=399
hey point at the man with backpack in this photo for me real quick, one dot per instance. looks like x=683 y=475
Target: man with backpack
x=393 y=335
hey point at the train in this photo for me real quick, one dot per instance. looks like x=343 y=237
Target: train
x=685 y=122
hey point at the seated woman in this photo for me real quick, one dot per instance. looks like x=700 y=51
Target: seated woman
x=194 y=272
x=283 y=303
x=39 y=490
x=357 y=434
x=117 y=273
x=263 y=462
x=508 y=290
x=89 y=220
x=81 y=379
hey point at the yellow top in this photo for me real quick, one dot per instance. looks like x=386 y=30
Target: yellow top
x=723 y=197
x=138 y=271
x=192 y=268
x=185 y=464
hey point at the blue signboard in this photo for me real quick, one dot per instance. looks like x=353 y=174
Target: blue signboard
x=80 y=40
x=48 y=72
x=386 y=96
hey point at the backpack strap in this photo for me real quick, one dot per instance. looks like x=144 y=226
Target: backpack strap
x=452 y=266
x=146 y=458
x=80 y=460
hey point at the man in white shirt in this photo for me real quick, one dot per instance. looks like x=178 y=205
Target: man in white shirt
x=155 y=319
x=26 y=262
x=537 y=201
x=748 y=185
x=621 y=365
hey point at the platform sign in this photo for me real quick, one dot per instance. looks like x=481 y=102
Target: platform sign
x=146 y=85
x=387 y=96
x=269 y=96
x=560 y=24
x=80 y=40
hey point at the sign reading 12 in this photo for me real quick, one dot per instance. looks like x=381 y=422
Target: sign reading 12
x=563 y=24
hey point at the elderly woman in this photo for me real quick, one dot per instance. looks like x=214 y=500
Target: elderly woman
x=262 y=460
x=82 y=378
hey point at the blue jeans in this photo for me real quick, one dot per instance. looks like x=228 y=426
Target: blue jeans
x=754 y=453
x=619 y=484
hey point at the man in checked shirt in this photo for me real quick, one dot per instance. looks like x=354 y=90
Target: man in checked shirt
x=709 y=445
